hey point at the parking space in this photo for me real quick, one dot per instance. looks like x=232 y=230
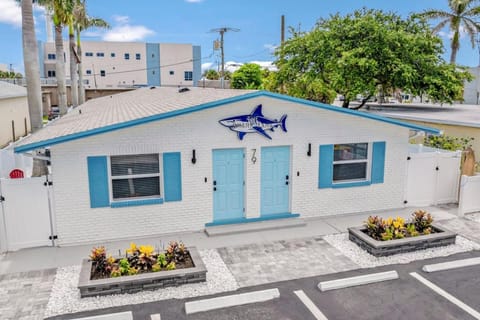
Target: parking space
x=463 y=283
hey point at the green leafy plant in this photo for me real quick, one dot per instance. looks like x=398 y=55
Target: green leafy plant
x=162 y=260
x=389 y=229
x=171 y=266
x=156 y=267
x=176 y=252
x=448 y=142
x=124 y=266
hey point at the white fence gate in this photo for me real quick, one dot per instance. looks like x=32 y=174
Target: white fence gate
x=25 y=213
x=469 y=200
x=432 y=176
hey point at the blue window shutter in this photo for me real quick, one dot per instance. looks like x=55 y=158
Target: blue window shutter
x=172 y=176
x=378 y=162
x=325 y=167
x=98 y=182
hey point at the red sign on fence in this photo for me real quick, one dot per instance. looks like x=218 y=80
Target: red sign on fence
x=16 y=174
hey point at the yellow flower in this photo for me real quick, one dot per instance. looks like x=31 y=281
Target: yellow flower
x=389 y=221
x=146 y=250
x=133 y=248
x=110 y=259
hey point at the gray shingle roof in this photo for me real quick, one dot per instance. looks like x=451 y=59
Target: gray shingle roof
x=8 y=90
x=126 y=107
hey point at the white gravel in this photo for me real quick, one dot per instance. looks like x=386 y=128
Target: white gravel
x=473 y=216
x=65 y=296
x=365 y=260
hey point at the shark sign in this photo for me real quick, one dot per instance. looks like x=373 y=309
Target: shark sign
x=255 y=122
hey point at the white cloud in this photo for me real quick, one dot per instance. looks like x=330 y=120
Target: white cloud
x=449 y=35
x=207 y=66
x=194 y=1
x=127 y=33
x=10 y=13
x=270 y=47
x=121 y=19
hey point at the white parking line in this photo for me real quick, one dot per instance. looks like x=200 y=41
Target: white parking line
x=474 y=313
x=155 y=316
x=310 y=305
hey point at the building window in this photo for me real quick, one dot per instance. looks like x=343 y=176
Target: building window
x=172 y=72
x=100 y=54
x=112 y=54
x=102 y=73
x=127 y=56
x=135 y=176
x=88 y=72
x=88 y=54
x=350 y=162
x=188 y=76
x=51 y=56
x=138 y=56
x=51 y=73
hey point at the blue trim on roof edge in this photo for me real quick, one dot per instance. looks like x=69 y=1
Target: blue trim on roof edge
x=209 y=105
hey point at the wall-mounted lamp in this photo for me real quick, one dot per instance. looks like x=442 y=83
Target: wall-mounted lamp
x=309 y=152
x=194 y=158
x=254 y=159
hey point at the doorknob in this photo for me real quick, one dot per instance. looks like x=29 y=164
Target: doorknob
x=214 y=182
x=286 y=177
x=286 y=182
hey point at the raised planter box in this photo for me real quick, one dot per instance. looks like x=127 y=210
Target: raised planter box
x=141 y=282
x=440 y=238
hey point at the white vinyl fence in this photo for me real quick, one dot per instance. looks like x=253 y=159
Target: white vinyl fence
x=432 y=176
x=25 y=213
x=469 y=200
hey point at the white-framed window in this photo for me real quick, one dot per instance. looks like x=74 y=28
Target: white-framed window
x=138 y=56
x=127 y=56
x=135 y=176
x=88 y=72
x=102 y=73
x=88 y=54
x=100 y=54
x=351 y=162
x=51 y=56
x=188 y=76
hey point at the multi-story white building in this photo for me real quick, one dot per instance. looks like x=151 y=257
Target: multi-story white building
x=129 y=64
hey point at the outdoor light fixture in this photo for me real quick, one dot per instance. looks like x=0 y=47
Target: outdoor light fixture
x=194 y=158
x=309 y=152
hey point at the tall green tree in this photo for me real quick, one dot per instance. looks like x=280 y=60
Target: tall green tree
x=62 y=10
x=32 y=67
x=248 y=76
x=83 y=22
x=365 y=52
x=463 y=13
x=211 y=74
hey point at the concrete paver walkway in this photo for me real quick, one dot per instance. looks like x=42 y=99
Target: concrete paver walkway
x=24 y=295
x=274 y=261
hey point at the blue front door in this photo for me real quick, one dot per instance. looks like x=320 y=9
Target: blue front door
x=228 y=184
x=275 y=180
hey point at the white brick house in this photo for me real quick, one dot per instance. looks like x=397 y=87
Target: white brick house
x=156 y=161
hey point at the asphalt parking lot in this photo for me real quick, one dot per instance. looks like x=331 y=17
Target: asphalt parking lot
x=403 y=298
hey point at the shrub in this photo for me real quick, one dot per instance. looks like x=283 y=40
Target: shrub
x=398 y=228
x=138 y=259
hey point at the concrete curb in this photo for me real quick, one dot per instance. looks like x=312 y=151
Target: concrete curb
x=231 y=301
x=111 y=316
x=357 y=281
x=451 y=265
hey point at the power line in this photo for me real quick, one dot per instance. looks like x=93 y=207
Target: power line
x=222 y=32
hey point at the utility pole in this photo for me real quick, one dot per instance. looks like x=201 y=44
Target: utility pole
x=222 y=52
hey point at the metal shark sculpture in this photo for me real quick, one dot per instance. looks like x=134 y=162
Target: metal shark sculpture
x=253 y=123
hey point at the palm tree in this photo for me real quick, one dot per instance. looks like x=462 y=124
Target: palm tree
x=61 y=10
x=82 y=22
x=462 y=14
x=32 y=69
x=73 y=58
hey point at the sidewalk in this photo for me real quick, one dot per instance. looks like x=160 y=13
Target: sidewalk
x=26 y=276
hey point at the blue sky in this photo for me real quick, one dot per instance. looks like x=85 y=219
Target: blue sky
x=189 y=21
